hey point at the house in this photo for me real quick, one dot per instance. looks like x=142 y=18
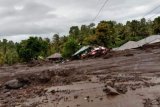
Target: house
x=55 y=57
x=90 y=51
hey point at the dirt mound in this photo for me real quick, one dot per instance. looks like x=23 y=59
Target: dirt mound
x=111 y=54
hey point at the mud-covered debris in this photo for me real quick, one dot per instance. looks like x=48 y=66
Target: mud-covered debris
x=14 y=84
x=76 y=97
x=148 y=103
x=133 y=88
x=30 y=105
x=65 y=72
x=129 y=54
x=40 y=92
x=146 y=84
x=158 y=101
x=2 y=105
x=1 y=85
x=101 y=99
x=45 y=77
x=87 y=98
x=24 y=80
x=108 y=55
x=122 y=88
x=110 y=83
x=110 y=91
x=53 y=91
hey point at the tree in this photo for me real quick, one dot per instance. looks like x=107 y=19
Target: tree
x=32 y=48
x=74 y=31
x=70 y=47
x=4 y=44
x=2 y=59
x=56 y=42
x=156 y=25
x=143 y=31
x=104 y=33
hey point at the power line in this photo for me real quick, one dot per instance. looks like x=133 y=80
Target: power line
x=152 y=16
x=151 y=11
x=100 y=10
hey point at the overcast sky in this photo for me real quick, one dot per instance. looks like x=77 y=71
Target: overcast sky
x=21 y=18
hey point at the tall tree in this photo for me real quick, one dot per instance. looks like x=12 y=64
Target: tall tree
x=56 y=42
x=104 y=33
x=74 y=31
x=70 y=47
x=156 y=26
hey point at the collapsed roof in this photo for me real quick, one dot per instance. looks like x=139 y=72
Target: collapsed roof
x=84 y=48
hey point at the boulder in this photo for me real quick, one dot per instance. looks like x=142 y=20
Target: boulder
x=13 y=84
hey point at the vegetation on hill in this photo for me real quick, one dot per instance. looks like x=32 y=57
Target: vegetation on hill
x=107 y=33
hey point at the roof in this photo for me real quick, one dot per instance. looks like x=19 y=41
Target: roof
x=56 y=55
x=129 y=45
x=82 y=50
x=149 y=40
x=133 y=44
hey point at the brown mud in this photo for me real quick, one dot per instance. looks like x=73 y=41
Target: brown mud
x=133 y=74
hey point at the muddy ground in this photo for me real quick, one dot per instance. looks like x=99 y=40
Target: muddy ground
x=133 y=74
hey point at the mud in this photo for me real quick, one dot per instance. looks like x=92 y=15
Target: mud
x=134 y=74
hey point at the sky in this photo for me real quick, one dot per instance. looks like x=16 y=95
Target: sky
x=20 y=19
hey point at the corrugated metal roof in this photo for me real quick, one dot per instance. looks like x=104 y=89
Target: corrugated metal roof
x=81 y=50
x=149 y=40
x=133 y=44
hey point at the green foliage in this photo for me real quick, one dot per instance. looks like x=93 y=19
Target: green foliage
x=56 y=43
x=74 y=31
x=12 y=58
x=156 y=25
x=32 y=48
x=2 y=59
x=8 y=53
x=70 y=47
x=106 y=33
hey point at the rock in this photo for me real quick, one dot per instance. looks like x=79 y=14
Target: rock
x=76 y=96
x=13 y=84
x=122 y=89
x=110 y=91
